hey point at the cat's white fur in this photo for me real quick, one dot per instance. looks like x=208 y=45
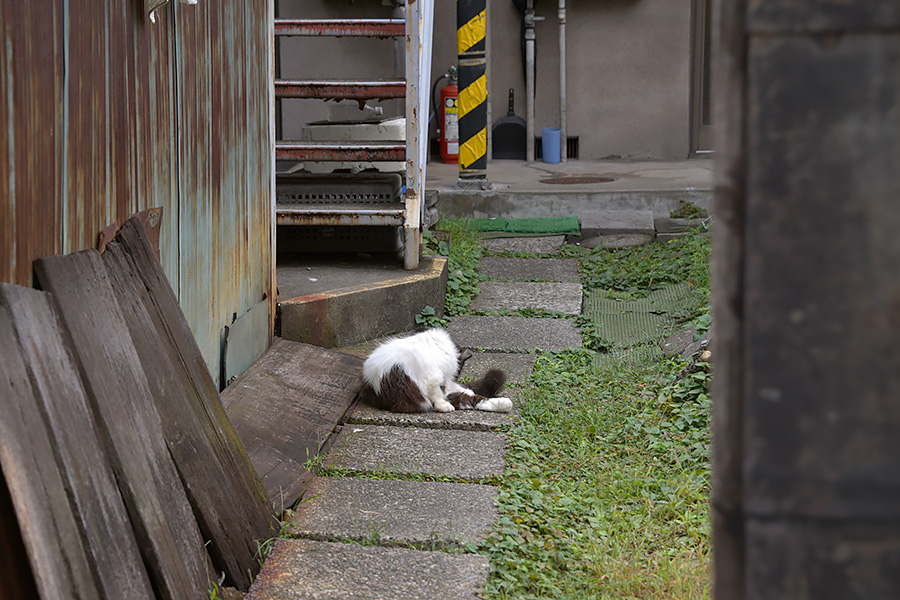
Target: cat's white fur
x=431 y=360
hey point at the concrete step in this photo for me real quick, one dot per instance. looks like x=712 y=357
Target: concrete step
x=332 y=571
x=514 y=334
x=470 y=456
x=423 y=514
x=503 y=295
x=339 y=304
x=498 y=268
x=531 y=245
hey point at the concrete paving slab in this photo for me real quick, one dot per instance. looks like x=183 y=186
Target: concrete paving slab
x=516 y=366
x=462 y=420
x=426 y=514
x=499 y=268
x=514 y=334
x=466 y=455
x=554 y=297
x=615 y=241
x=610 y=222
x=332 y=571
x=530 y=245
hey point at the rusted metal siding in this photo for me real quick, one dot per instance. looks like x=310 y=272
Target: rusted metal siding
x=30 y=123
x=104 y=114
x=225 y=163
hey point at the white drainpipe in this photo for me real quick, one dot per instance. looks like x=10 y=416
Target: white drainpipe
x=563 y=145
x=529 y=81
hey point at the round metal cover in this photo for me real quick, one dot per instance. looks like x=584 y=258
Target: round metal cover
x=577 y=180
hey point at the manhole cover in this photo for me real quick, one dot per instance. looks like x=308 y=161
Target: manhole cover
x=576 y=180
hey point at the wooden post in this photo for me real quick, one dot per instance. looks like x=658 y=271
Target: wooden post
x=806 y=498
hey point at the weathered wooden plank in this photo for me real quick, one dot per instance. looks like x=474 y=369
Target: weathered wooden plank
x=821 y=307
x=83 y=461
x=730 y=73
x=48 y=525
x=16 y=580
x=285 y=407
x=193 y=438
x=241 y=505
x=128 y=421
x=821 y=16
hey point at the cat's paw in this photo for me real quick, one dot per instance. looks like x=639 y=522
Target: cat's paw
x=495 y=405
x=443 y=406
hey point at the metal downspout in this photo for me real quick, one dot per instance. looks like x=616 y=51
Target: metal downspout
x=529 y=81
x=563 y=145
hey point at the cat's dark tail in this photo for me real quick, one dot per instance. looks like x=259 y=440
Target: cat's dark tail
x=488 y=386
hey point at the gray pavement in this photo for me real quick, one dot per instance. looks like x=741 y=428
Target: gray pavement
x=550 y=296
x=411 y=451
x=531 y=245
x=395 y=512
x=514 y=334
x=333 y=571
x=498 y=268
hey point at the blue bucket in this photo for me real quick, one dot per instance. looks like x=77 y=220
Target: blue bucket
x=550 y=144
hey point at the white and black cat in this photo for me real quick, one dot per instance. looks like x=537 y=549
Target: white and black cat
x=418 y=373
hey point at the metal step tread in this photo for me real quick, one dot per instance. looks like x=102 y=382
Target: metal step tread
x=340 y=151
x=379 y=28
x=355 y=90
x=351 y=213
x=379 y=208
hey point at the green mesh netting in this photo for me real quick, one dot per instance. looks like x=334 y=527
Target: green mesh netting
x=634 y=327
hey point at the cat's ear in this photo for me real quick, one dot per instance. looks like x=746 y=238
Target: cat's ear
x=465 y=355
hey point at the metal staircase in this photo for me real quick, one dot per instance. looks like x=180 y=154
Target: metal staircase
x=373 y=209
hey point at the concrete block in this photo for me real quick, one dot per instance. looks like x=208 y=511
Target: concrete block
x=349 y=315
x=530 y=269
x=556 y=297
x=462 y=420
x=617 y=240
x=467 y=455
x=514 y=334
x=430 y=514
x=530 y=245
x=328 y=570
x=611 y=222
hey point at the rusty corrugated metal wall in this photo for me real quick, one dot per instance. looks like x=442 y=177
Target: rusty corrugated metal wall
x=104 y=114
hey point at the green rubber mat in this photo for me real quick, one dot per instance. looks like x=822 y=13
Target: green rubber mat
x=634 y=327
x=532 y=226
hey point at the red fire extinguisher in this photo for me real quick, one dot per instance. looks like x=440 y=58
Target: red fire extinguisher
x=449 y=122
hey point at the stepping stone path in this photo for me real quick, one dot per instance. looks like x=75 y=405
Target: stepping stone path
x=402 y=488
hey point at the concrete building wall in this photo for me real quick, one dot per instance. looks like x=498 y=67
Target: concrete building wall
x=628 y=68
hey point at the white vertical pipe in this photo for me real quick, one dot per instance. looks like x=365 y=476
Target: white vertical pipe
x=563 y=145
x=529 y=82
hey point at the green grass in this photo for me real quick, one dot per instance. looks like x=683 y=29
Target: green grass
x=606 y=489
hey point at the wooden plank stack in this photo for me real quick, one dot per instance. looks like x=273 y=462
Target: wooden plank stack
x=125 y=477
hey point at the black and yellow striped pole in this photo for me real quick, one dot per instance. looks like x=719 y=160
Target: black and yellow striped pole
x=471 y=21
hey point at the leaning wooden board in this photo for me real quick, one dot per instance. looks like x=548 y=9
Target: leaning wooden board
x=128 y=422
x=36 y=485
x=285 y=407
x=91 y=493
x=224 y=490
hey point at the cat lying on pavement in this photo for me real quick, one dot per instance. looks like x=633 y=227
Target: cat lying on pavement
x=418 y=373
